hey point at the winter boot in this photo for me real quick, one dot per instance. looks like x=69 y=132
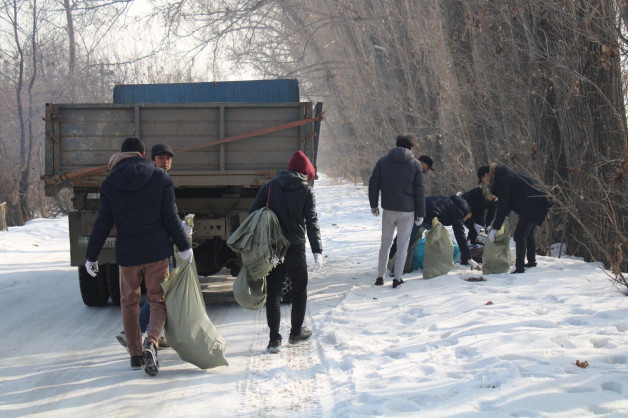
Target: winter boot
x=397 y=282
x=273 y=346
x=302 y=336
x=519 y=270
x=379 y=281
x=530 y=264
x=137 y=362
x=122 y=340
x=151 y=366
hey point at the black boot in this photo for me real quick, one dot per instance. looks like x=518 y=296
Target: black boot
x=151 y=361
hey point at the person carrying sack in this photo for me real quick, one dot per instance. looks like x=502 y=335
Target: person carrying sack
x=523 y=195
x=290 y=196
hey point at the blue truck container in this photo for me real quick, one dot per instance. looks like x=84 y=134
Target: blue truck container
x=250 y=91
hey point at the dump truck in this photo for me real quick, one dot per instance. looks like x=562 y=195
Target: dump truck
x=229 y=138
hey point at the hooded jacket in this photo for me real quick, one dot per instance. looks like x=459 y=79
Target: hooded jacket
x=399 y=177
x=519 y=193
x=293 y=202
x=450 y=211
x=138 y=199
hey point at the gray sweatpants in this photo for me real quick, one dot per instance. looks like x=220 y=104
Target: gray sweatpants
x=402 y=222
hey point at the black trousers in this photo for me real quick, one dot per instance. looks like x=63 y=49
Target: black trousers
x=524 y=243
x=295 y=267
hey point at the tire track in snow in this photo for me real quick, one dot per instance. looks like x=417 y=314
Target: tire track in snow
x=290 y=382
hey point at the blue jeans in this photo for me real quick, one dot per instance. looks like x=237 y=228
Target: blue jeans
x=145 y=310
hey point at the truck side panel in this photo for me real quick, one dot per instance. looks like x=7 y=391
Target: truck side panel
x=80 y=136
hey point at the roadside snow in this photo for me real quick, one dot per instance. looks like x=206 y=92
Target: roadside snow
x=429 y=348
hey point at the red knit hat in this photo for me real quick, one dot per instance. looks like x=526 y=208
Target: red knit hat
x=300 y=163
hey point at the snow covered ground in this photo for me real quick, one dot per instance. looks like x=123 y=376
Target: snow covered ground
x=428 y=348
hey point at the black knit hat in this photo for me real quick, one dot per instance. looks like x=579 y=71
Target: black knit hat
x=161 y=149
x=427 y=160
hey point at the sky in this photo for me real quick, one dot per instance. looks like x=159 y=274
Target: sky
x=427 y=348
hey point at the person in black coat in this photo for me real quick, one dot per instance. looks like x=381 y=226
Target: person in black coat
x=399 y=177
x=482 y=205
x=138 y=198
x=291 y=198
x=521 y=194
x=451 y=211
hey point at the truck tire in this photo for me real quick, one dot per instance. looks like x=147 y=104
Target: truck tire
x=94 y=290
x=113 y=281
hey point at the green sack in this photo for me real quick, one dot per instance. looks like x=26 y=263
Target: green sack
x=260 y=243
x=188 y=328
x=439 y=251
x=496 y=257
x=249 y=293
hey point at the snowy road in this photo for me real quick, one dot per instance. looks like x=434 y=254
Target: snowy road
x=428 y=348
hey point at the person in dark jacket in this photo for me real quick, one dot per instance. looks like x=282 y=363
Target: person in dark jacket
x=138 y=199
x=521 y=194
x=291 y=198
x=451 y=211
x=482 y=205
x=161 y=155
x=399 y=176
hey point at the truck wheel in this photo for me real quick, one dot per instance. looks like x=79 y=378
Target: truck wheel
x=113 y=280
x=94 y=290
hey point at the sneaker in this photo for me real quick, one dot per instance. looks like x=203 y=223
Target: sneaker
x=162 y=343
x=530 y=264
x=273 y=346
x=122 y=340
x=379 y=281
x=519 y=270
x=397 y=282
x=137 y=362
x=304 y=335
x=151 y=366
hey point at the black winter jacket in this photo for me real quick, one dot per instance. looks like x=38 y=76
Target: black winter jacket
x=138 y=199
x=450 y=211
x=519 y=193
x=482 y=209
x=399 y=177
x=293 y=202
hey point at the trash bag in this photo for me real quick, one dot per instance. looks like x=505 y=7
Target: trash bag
x=260 y=243
x=439 y=251
x=415 y=237
x=188 y=329
x=456 y=252
x=249 y=293
x=496 y=257
x=419 y=255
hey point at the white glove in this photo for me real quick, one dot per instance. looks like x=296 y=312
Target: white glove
x=375 y=211
x=91 y=267
x=477 y=227
x=318 y=261
x=418 y=221
x=474 y=265
x=491 y=235
x=187 y=229
x=186 y=255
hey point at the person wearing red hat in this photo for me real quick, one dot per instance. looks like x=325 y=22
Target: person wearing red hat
x=290 y=196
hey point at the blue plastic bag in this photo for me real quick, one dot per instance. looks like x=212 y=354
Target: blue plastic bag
x=419 y=254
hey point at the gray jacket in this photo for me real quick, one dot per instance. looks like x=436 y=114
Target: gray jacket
x=399 y=177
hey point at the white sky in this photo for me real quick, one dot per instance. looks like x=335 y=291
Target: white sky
x=428 y=348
